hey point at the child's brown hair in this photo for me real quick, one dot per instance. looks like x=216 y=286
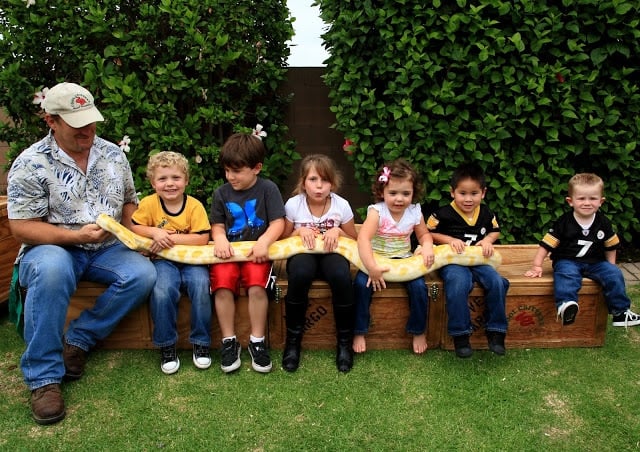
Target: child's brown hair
x=324 y=166
x=397 y=169
x=242 y=150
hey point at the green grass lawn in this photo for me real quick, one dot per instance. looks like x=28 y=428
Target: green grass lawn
x=582 y=399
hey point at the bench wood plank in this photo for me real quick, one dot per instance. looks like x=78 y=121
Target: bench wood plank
x=530 y=309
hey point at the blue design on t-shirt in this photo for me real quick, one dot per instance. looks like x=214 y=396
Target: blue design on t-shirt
x=243 y=219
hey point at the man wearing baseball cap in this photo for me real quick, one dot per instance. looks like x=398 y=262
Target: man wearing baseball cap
x=57 y=188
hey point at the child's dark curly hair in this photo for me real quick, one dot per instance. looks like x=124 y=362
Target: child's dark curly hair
x=397 y=169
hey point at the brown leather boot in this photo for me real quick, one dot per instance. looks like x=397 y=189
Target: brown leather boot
x=74 y=361
x=47 y=404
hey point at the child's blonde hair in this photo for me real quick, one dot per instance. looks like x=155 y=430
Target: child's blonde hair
x=165 y=159
x=324 y=166
x=585 y=179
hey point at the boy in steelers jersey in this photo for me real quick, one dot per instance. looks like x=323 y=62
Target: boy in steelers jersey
x=467 y=221
x=582 y=243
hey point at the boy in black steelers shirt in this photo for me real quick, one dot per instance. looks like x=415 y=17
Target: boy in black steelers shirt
x=582 y=243
x=467 y=221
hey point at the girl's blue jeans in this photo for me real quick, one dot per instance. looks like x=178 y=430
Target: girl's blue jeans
x=173 y=278
x=51 y=274
x=418 y=304
x=567 y=281
x=458 y=283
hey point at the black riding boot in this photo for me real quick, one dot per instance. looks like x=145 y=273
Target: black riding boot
x=344 y=351
x=344 y=327
x=294 y=319
x=291 y=354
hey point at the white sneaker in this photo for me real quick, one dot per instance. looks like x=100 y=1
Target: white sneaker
x=201 y=356
x=627 y=318
x=567 y=312
x=169 y=361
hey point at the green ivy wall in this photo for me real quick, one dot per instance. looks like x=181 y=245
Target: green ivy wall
x=534 y=91
x=177 y=75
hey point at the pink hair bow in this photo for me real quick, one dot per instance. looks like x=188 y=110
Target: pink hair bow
x=386 y=173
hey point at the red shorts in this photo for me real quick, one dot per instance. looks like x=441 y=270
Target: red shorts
x=232 y=275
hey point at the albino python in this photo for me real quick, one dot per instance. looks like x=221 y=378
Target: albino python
x=400 y=269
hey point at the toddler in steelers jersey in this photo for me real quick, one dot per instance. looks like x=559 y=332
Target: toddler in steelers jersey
x=583 y=243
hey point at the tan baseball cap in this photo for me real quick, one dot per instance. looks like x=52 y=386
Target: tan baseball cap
x=73 y=103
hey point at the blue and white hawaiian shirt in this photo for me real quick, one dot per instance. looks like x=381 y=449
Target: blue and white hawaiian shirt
x=44 y=182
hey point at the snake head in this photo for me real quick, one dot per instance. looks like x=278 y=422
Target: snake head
x=109 y=224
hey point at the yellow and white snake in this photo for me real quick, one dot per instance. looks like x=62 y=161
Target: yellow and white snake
x=400 y=269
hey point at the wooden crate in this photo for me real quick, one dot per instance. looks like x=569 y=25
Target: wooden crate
x=531 y=309
x=389 y=314
x=135 y=330
x=8 y=251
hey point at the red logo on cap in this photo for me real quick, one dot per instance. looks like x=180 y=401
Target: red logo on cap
x=79 y=101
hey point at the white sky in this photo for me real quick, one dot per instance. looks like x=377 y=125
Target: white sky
x=306 y=45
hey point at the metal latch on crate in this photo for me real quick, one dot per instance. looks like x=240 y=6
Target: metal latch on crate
x=434 y=291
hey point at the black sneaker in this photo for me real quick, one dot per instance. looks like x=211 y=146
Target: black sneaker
x=462 y=346
x=201 y=356
x=169 y=361
x=567 y=312
x=230 y=355
x=627 y=318
x=495 y=340
x=260 y=359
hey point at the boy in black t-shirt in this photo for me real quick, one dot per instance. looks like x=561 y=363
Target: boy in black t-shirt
x=246 y=208
x=582 y=243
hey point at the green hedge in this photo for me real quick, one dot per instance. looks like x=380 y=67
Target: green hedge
x=533 y=90
x=176 y=75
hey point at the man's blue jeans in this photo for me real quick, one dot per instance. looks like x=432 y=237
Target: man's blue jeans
x=567 y=281
x=458 y=283
x=51 y=274
x=418 y=304
x=174 y=277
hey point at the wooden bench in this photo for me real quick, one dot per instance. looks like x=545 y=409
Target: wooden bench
x=8 y=251
x=135 y=330
x=530 y=309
